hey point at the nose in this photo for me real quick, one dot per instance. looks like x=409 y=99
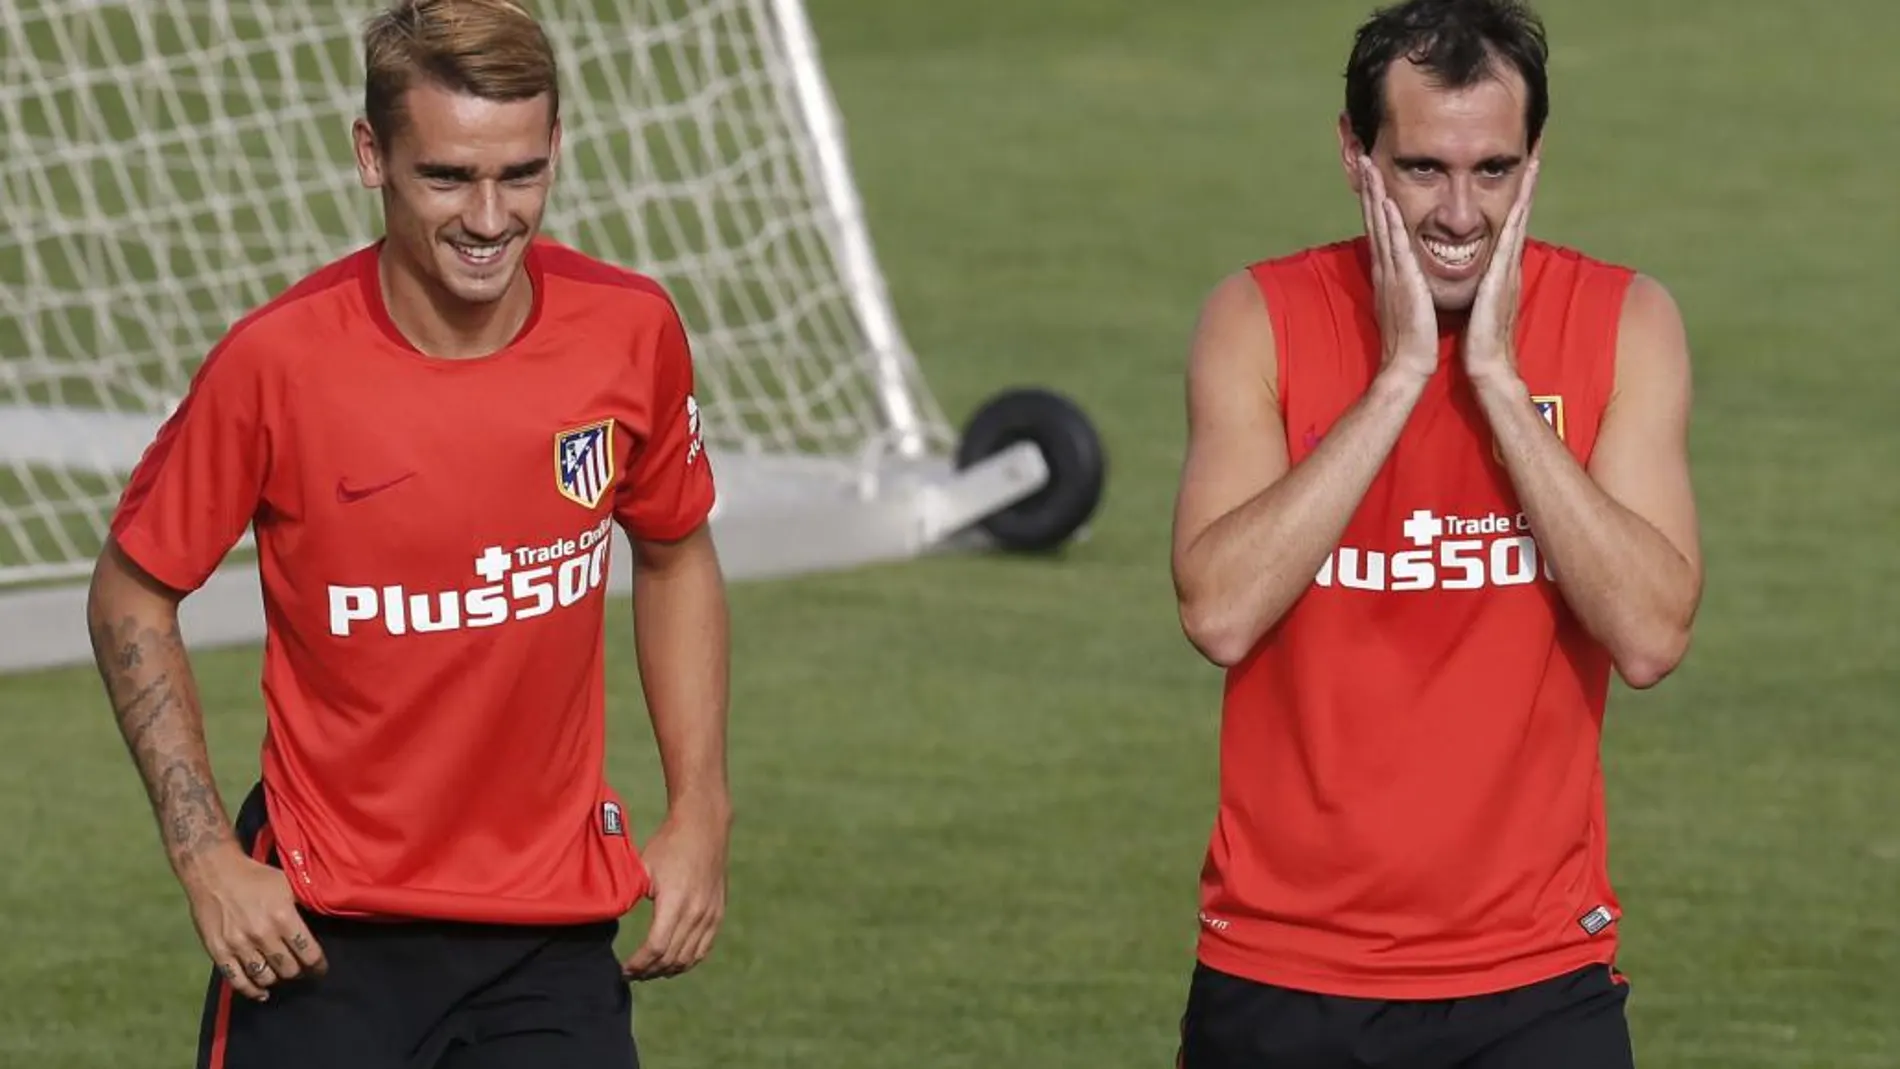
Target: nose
x=484 y=216
x=1460 y=213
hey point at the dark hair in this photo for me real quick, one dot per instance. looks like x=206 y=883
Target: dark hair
x=1456 y=43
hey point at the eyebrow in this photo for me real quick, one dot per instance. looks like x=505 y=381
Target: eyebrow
x=1489 y=163
x=449 y=172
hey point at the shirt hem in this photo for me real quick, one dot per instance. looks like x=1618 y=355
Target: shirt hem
x=348 y=894
x=1418 y=984
x=383 y=904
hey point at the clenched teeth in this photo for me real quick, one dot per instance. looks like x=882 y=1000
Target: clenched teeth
x=1452 y=255
x=478 y=252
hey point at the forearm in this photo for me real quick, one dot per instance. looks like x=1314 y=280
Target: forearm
x=1628 y=585
x=148 y=680
x=1241 y=575
x=681 y=639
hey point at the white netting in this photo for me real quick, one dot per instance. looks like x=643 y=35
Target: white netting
x=170 y=164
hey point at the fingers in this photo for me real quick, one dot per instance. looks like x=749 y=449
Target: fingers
x=667 y=954
x=697 y=937
x=303 y=947
x=681 y=936
x=245 y=973
x=1404 y=264
x=1527 y=192
x=1507 y=262
x=292 y=952
x=1401 y=266
x=1388 y=274
x=1368 y=212
x=702 y=949
x=1526 y=197
x=1381 y=224
x=257 y=957
x=645 y=962
x=1517 y=223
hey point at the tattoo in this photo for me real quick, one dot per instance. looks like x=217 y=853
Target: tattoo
x=151 y=702
x=148 y=680
x=190 y=804
x=298 y=942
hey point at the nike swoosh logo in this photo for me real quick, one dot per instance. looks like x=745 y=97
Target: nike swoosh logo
x=348 y=494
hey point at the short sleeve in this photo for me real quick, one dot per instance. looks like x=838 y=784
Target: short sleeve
x=200 y=482
x=669 y=491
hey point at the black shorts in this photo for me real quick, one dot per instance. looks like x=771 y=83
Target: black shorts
x=1574 y=1021
x=428 y=995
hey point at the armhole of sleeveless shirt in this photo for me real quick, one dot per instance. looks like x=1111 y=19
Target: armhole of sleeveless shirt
x=1616 y=289
x=1609 y=294
x=1272 y=291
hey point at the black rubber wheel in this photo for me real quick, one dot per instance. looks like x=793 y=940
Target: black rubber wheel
x=1078 y=466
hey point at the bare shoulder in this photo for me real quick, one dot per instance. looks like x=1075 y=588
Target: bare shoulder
x=1641 y=458
x=1233 y=345
x=1652 y=344
x=1235 y=439
x=1649 y=309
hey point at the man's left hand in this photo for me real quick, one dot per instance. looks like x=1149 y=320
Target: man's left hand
x=686 y=859
x=1490 y=350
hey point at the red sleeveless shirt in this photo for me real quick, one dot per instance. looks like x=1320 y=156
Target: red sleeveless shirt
x=1411 y=801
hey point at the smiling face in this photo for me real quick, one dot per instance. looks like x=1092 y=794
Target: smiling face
x=1452 y=160
x=465 y=182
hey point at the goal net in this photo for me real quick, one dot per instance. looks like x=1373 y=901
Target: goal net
x=170 y=164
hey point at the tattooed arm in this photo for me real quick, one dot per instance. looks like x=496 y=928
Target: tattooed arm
x=244 y=910
x=142 y=660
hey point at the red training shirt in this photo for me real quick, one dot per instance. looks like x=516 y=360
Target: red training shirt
x=433 y=540
x=1411 y=801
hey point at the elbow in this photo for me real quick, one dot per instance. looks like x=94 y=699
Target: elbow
x=1215 y=632
x=1645 y=664
x=1655 y=641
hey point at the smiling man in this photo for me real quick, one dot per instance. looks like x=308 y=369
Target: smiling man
x=434 y=439
x=1436 y=491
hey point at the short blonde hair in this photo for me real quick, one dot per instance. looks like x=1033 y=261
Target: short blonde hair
x=493 y=49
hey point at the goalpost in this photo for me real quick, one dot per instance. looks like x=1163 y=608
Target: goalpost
x=168 y=165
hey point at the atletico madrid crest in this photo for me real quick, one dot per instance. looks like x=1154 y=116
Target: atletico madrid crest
x=1551 y=407
x=584 y=462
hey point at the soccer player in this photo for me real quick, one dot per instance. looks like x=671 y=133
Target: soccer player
x=1435 y=491
x=434 y=438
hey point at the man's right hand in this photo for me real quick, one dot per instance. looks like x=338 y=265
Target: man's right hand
x=248 y=921
x=1408 y=321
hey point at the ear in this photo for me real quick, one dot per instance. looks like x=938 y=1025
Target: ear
x=369 y=158
x=1350 y=149
x=554 y=147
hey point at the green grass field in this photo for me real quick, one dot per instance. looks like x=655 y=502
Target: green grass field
x=973 y=792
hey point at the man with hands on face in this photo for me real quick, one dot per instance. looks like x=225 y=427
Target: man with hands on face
x=1435 y=492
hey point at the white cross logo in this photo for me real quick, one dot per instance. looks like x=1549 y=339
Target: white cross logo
x=1423 y=527
x=694 y=442
x=493 y=564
